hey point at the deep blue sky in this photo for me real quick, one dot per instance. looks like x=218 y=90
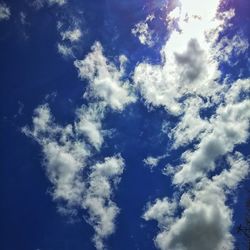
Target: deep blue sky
x=31 y=69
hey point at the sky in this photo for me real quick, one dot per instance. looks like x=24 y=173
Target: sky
x=124 y=124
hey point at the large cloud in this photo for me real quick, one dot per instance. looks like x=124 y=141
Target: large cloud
x=189 y=65
x=66 y=155
x=206 y=221
x=227 y=128
x=69 y=150
x=187 y=84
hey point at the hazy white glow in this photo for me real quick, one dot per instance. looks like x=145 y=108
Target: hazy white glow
x=195 y=20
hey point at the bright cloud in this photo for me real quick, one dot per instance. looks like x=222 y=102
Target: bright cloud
x=89 y=124
x=66 y=155
x=213 y=117
x=204 y=223
x=103 y=211
x=187 y=84
x=69 y=150
x=105 y=79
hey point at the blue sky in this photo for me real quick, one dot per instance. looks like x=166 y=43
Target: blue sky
x=124 y=124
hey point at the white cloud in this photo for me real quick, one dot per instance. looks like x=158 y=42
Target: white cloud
x=228 y=48
x=191 y=125
x=206 y=220
x=162 y=211
x=202 y=226
x=189 y=62
x=65 y=50
x=227 y=128
x=103 y=211
x=187 y=84
x=66 y=158
x=105 y=79
x=4 y=11
x=153 y=161
x=59 y=2
x=38 y=4
x=143 y=32
x=72 y=35
x=89 y=124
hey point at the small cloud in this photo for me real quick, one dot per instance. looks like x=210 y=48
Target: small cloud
x=64 y=50
x=38 y=4
x=72 y=35
x=4 y=12
x=23 y=18
x=58 y=2
x=143 y=33
x=152 y=162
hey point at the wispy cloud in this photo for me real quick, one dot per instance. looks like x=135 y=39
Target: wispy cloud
x=143 y=32
x=4 y=11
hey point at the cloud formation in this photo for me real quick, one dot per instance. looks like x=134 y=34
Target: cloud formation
x=187 y=84
x=206 y=220
x=105 y=79
x=66 y=159
x=69 y=150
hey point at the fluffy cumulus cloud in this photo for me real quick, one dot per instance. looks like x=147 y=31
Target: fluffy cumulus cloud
x=212 y=115
x=89 y=124
x=4 y=11
x=103 y=179
x=105 y=79
x=78 y=182
x=227 y=128
x=206 y=220
x=66 y=156
x=187 y=84
x=189 y=62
